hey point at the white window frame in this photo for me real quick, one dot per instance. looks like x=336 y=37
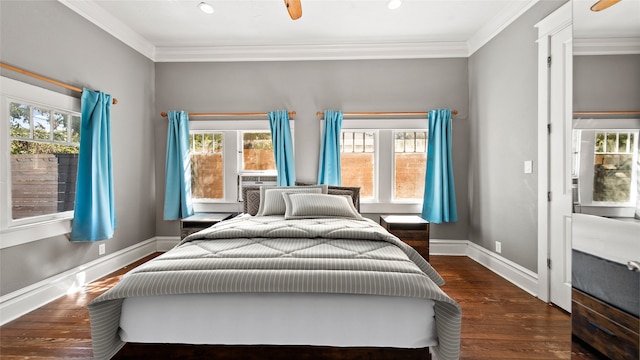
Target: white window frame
x=22 y=231
x=232 y=158
x=585 y=164
x=383 y=201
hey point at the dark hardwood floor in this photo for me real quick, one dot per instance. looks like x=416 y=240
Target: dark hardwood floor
x=500 y=321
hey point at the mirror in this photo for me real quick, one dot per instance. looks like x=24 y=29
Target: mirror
x=606 y=105
x=605 y=224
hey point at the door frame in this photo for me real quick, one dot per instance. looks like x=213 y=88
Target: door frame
x=547 y=27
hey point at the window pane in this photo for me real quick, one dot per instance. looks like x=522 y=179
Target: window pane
x=207 y=166
x=43 y=173
x=19 y=120
x=612 y=177
x=614 y=172
x=257 y=152
x=599 y=142
x=357 y=161
x=60 y=132
x=75 y=129
x=41 y=124
x=410 y=163
x=612 y=144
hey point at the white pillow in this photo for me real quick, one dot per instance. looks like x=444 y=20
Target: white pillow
x=305 y=206
x=272 y=203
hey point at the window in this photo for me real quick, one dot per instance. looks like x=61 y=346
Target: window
x=357 y=161
x=207 y=165
x=386 y=158
x=44 y=146
x=614 y=173
x=221 y=151
x=410 y=164
x=605 y=171
x=39 y=137
x=257 y=152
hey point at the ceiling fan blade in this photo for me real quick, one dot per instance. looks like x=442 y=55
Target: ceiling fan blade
x=294 y=8
x=603 y=4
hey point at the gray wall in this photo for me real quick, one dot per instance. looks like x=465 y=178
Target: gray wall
x=46 y=37
x=311 y=86
x=503 y=117
x=606 y=82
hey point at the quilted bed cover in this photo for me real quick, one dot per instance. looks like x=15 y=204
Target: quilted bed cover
x=271 y=254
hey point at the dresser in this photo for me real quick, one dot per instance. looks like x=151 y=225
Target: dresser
x=411 y=229
x=199 y=221
x=606 y=328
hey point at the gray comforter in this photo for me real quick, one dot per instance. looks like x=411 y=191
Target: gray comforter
x=270 y=254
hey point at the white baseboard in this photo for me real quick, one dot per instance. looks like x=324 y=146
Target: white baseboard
x=20 y=302
x=523 y=278
x=166 y=243
x=448 y=247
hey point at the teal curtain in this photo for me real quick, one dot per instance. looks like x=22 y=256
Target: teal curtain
x=329 y=168
x=177 y=186
x=439 y=203
x=94 y=216
x=282 y=147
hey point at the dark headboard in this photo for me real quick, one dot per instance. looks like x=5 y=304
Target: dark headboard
x=251 y=196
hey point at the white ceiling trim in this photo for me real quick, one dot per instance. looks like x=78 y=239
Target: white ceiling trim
x=313 y=52
x=606 y=46
x=94 y=13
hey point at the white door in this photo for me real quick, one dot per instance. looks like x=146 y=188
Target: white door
x=560 y=196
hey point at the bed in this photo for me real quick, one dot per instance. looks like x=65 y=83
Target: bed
x=305 y=270
x=606 y=294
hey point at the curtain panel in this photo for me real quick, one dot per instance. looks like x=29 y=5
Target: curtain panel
x=94 y=215
x=439 y=203
x=282 y=147
x=329 y=164
x=177 y=187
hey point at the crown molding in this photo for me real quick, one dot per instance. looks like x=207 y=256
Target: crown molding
x=412 y=50
x=313 y=52
x=95 y=14
x=499 y=23
x=606 y=46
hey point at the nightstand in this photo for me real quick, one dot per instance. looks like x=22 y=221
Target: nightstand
x=200 y=221
x=411 y=229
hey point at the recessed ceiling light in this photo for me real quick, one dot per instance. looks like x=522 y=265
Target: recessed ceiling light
x=394 y=4
x=206 y=8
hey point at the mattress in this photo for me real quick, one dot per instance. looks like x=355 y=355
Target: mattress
x=606 y=280
x=340 y=320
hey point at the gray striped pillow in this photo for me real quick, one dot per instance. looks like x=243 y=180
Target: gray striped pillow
x=271 y=202
x=305 y=206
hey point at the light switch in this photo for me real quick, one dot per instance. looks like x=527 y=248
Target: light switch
x=528 y=166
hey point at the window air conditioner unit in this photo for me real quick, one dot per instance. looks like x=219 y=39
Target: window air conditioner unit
x=255 y=180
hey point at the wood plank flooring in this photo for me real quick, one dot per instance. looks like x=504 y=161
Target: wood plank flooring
x=500 y=321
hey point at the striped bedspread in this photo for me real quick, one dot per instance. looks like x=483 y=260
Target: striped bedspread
x=270 y=254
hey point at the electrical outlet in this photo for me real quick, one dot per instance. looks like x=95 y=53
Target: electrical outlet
x=102 y=248
x=498 y=247
x=528 y=167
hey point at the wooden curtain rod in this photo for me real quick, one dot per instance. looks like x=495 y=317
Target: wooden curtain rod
x=379 y=113
x=607 y=113
x=239 y=114
x=46 y=79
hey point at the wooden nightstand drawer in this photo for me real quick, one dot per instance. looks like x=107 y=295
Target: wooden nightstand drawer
x=415 y=235
x=609 y=330
x=412 y=230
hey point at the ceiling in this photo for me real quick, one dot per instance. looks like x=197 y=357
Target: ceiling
x=258 y=30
